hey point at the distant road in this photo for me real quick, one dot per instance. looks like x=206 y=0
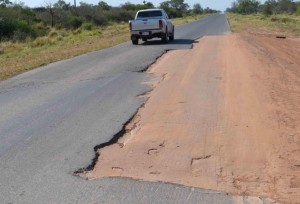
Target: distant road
x=53 y=117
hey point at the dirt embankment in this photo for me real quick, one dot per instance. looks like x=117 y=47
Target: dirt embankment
x=224 y=116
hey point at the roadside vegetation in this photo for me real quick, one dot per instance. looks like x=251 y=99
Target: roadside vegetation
x=280 y=17
x=31 y=37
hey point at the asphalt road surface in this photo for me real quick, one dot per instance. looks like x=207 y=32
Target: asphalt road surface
x=54 y=116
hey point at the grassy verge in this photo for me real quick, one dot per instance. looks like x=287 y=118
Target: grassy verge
x=16 y=58
x=275 y=24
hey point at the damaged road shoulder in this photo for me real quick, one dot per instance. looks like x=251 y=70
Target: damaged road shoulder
x=127 y=127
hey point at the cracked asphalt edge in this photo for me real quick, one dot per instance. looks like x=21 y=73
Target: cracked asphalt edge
x=124 y=130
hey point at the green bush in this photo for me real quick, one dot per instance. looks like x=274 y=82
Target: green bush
x=99 y=19
x=87 y=26
x=7 y=29
x=23 y=31
x=298 y=10
x=267 y=9
x=17 y=30
x=74 y=22
x=120 y=15
x=20 y=35
x=41 y=31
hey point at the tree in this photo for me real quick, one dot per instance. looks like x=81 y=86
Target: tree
x=279 y=6
x=61 y=4
x=149 y=5
x=269 y=7
x=285 y=6
x=128 y=6
x=245 y=6
x=4 y=3
x=179 y=5
x=28 y=15
x=174 y=8
x=51 y=10
x=165 y=5
x=298 y=9
x=144 y=6
x=197 y=9
x=104 y=6
x=6 y=29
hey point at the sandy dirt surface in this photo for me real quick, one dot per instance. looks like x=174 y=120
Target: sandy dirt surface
x=224 y=115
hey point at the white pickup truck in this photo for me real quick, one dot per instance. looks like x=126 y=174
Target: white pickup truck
x=151 y=23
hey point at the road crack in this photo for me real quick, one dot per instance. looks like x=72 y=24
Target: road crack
x=127 y=127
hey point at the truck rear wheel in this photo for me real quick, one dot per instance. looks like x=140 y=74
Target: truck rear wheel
x=135 y=41
x=171 y=37
x=165 y=37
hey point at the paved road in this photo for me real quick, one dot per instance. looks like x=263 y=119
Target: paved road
x=52 y=117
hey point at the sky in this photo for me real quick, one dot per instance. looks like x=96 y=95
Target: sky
x=214 y=4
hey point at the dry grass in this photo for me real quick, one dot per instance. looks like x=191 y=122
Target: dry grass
x=16 y=58
x=19 y=57
x=275 y=24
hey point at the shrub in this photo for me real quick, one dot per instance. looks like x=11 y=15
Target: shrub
x=19 y=35
x=87 y=26
x=274 y=18
x=1 y=50
x=41 y=41
x=267 y=9
x=59 y=38
x=99 y=19
x=7 y=29
x=75 y=22
x=298 y=10
x=17 y=30
x=120 y=15
x=41 y=29
x=282 y=19
x=53 y=34
x=287 y=20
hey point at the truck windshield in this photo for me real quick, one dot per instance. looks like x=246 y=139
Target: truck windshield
x=147 y=14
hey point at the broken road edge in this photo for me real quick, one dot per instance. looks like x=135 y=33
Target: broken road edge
x=123 y=130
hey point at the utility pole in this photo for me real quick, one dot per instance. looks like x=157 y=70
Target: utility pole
x=75 y=3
